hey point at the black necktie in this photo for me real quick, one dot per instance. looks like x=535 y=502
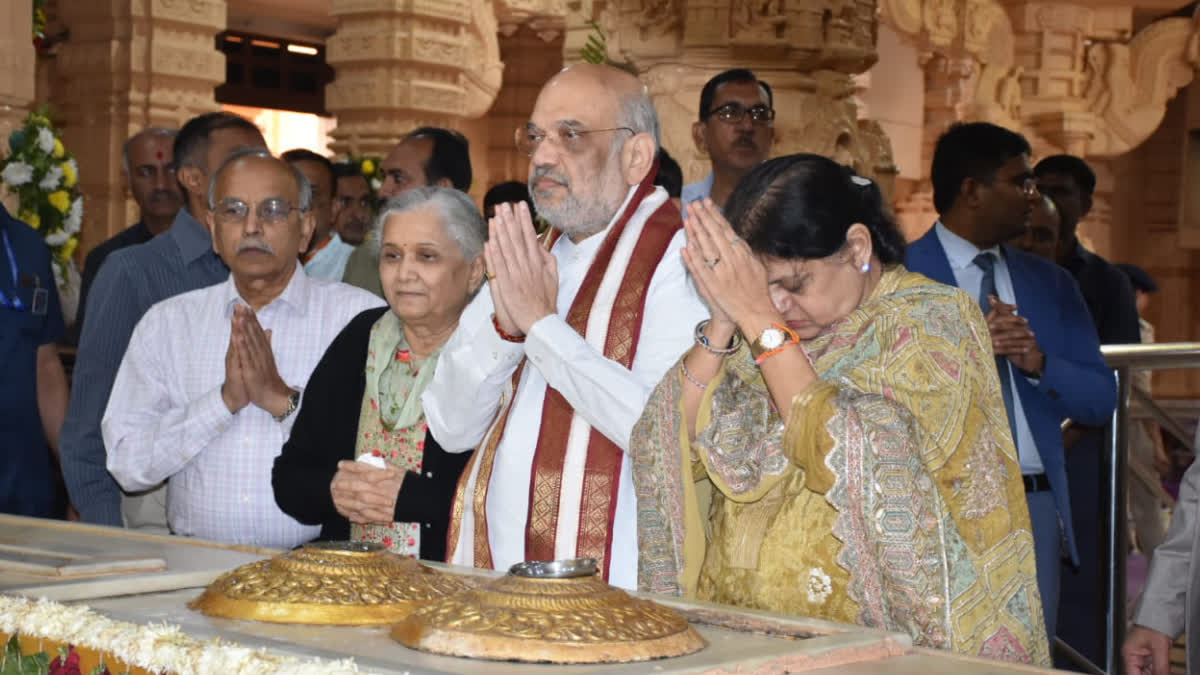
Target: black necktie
x=986 y=261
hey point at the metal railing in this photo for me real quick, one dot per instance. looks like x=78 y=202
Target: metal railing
x=1125 y=360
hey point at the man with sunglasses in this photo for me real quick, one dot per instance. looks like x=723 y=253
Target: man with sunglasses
x=552 y=363
x=211 y=413
x=735 y=129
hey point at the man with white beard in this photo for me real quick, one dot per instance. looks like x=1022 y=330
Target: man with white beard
x=551 y=367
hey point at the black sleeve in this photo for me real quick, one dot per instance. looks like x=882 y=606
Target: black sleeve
x=1121 y=324
x=325 y=430
x=427 y=495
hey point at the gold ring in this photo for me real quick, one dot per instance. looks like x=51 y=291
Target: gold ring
x=489 y=275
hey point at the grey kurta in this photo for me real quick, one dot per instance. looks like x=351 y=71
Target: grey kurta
x=1170 y=603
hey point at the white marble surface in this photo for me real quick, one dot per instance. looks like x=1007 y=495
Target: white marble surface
x=190 y=564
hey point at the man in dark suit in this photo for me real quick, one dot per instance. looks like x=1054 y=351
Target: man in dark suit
x=1047 y=353
x=1110 y=300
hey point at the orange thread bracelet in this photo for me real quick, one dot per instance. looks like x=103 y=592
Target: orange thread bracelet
x=505 y=336
x=793 y=339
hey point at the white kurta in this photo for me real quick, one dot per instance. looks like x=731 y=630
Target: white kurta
x=476 y=366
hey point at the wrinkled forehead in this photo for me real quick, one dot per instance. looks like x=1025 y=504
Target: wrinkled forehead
x=253 y=179
x=577 y=100
x=151 y=149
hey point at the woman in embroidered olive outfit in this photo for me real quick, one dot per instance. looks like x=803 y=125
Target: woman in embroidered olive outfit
x=887 y=493
x=364 y=397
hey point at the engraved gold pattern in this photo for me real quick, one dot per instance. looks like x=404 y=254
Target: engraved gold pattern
x=345 y=584
x=572 y=620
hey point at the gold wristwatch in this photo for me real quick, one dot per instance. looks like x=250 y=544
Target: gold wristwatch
x=771 y=339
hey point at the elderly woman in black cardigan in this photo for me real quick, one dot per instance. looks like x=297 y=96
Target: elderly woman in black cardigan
x=360 y=461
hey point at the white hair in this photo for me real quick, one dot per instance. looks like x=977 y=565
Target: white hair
x=460 y=216
x=637 y=112
x=303 y=186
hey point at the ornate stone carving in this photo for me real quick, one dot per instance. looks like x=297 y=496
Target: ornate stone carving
x=327 y=583
x=127 y=66
x=1129 y=85
x=655 y=18
x=758 y=21
x=426 y=62
x=560 y=620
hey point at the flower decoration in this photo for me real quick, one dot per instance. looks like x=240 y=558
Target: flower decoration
x=45 y=179
x=370 y=169
x=39 y=22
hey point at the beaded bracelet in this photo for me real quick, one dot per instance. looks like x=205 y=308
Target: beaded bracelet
x=688 y=376
x=505 y=336
x=702 y=340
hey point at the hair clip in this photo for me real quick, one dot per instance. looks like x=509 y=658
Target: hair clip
x=860 y=181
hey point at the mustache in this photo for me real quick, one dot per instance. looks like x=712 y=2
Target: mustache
x=163 y=194
x=745 y=141
x=540 y=172
x=254 y=244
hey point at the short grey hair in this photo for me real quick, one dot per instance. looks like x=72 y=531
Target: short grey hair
x=637 y=112
x=162 y=132
x=302 y=185
x=460 y=216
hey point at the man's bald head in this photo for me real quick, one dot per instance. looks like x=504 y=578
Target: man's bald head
x=592 y=136
x=614 y=90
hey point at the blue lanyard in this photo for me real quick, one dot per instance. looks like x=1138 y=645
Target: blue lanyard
x=15 y=302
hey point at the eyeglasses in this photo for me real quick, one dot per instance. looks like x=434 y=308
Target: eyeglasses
x=734 y=112
x=271 y=211
x=363 y=202
x=565 y=136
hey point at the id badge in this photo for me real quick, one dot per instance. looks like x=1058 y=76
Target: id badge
x=41 y=301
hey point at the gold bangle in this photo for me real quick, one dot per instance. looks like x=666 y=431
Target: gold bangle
x=688 y=376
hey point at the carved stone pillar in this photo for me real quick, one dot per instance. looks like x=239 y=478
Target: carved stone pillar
x=126 y=66
x=948 y=83
x=808 y=53
x=16 y=72
x=403 y=65
x=532 y=52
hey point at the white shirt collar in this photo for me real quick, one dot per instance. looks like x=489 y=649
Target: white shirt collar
x=295 y=295
x=960 y=252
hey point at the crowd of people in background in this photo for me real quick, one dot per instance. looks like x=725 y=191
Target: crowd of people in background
x=701 y=386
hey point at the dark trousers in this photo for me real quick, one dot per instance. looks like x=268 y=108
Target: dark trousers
x=1081 y=601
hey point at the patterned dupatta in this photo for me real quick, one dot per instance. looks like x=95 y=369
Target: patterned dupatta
x=608 y=312
x=907 y=417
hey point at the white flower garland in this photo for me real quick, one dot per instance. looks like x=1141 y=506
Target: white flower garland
x=155 y=647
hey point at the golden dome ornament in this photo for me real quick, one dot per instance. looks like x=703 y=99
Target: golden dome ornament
x=549 y=612
x=335 y=583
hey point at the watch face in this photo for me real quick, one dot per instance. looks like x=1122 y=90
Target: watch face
x=771 y=338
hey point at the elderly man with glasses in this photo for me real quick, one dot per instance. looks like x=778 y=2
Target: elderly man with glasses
x=206 y=392
x=552 y=363
x=735 y=129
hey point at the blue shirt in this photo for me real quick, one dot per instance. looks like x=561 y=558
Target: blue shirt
x=969 y=277
x=26 y=481
x=698 y=190
x=129 y=282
